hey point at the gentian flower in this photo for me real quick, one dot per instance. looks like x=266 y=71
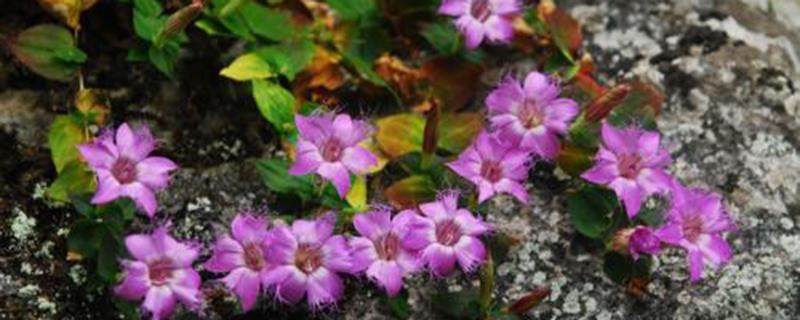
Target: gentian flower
x=328 y=145
x=479 y=19
x=494 y=167
x=380 y=249
x=531 y=114
x=124 y=169
x=643 y=240
x=161 y=273
x=448 y=234
x=243 y=257
x=307 y=260
x=695 y=222
x=631 y=162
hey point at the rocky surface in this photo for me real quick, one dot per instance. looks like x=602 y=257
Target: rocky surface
x=731 y=73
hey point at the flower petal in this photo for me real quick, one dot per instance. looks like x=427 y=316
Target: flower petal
x=362 y=252
x=559 y=113
x=374 y=223
x=283 y=246
x=358 y=159
x=314 y=129
x=141 y=246
x=513 y=188
x=227 y=255
x=654 y=180
x=134 y=145
x=96 y=155
x=388 y=275
x=695 y=261
x=135 y=283
x=602 y=173
x=469 y=224
x=715 y=249
x=544 y=144
x=247 y=288
x=506 y=98
x=470 y=253
x=615 y=140
x=441 y=260
x=324 y=287
x=472 y=30
x=153 y=172
x=498 y=29
x=293 y=287
x=454 y=7
x=336 y=254
x=247 y=228
x=108 y=189
x=630 y=194
x=144 y=198
x=337 y=174
x=307 y=160
x=185 y=286
x=539 y=87
x=160 y=302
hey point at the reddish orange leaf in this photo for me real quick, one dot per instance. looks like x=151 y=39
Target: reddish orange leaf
x=565 y=30
x=530 y=300
x=454 y=80
x=411 y=191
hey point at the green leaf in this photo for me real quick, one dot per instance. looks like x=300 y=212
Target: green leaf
x=411 y=191
x=457 y=130
x=247 y=67
x=352 y=9
x=269 y=23
x=591 y=210
x=621 y=268
x=64 y=137
x=49 y=50
x=290 y=57
x=275 y=103
x=165 y=57
x=565 y=31
x=357 y=196
x=463 y=304
x=74 y=179
x=443 y=36
x=150 y=8
x=400 y=134
x=398 y=305
x=275 y=173
x=83 y=238
x=147 y=26
x=108 y=255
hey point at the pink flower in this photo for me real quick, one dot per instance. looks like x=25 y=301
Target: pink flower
x=532 y=114
x=124 y=169
x=380 y=249
x=328 y=145
x=161 y=273
x=631 y=162
x=695 y=222
x=643 y=240
x=243 y=257
x=306 y=260
x=494 y=167
x=447 y=234
x=479 y=19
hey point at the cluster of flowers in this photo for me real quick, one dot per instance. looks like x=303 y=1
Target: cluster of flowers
x=630 y=161
x=305 y=259
x=302 y=260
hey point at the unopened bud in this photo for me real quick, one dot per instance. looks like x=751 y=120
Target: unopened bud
x=178 y=21
x=601 y=106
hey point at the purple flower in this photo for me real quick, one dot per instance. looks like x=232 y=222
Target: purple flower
x=479 y=19
x=531 y=114
x=124 y=169
x=380 y=249
x=631 y=162
x=161 y=273
x=643 y=240
x=494 y=167
x=447 y=235
x=328 y=145
x=243 y=257
x=306 y=260
x=695 y=222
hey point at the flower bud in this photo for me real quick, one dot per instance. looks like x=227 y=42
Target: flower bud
x=178 y=21
x=635 y=241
